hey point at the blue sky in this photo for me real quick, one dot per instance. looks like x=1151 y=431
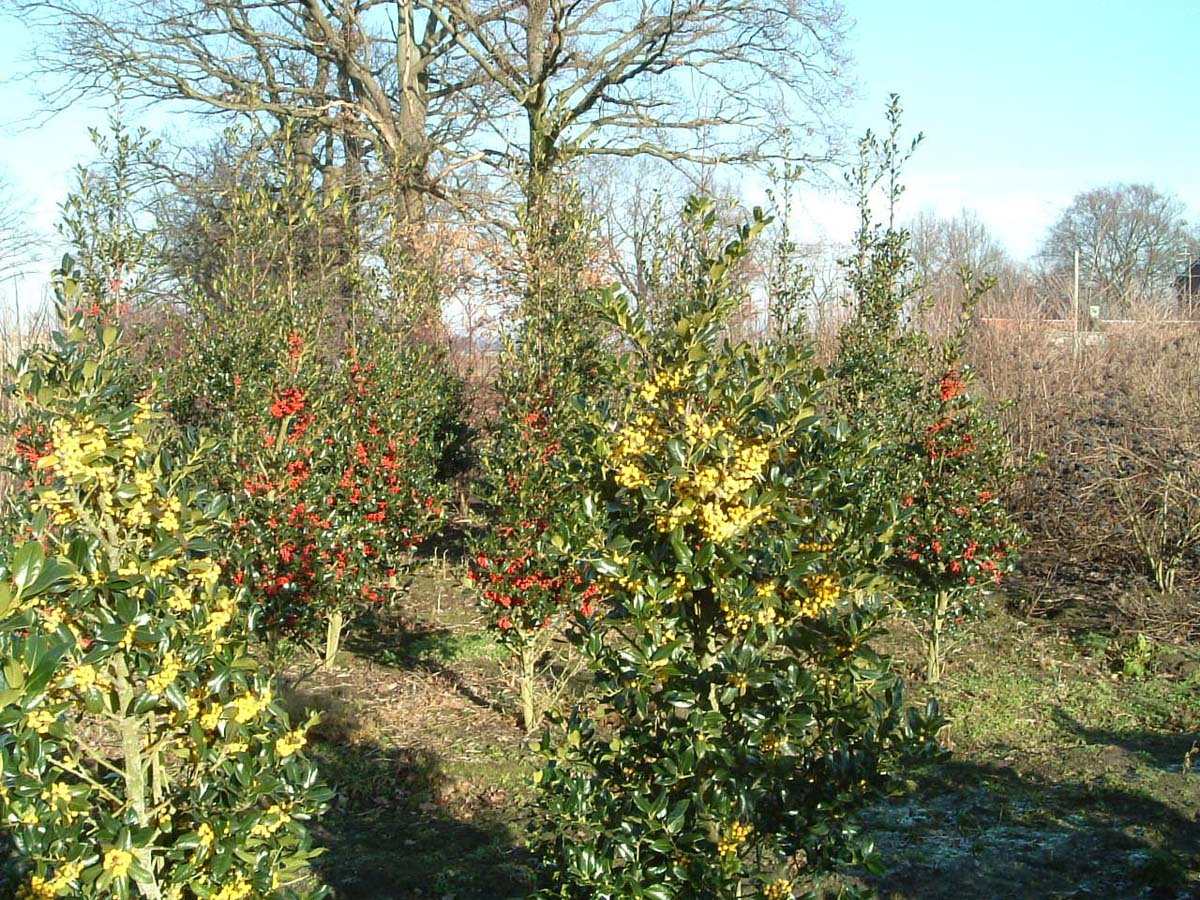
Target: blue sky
x=1023 y=104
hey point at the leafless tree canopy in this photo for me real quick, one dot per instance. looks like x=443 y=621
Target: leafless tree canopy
x=701 y=80
x=941 y=248
x=360 y=83
x=1131 y=239
x=421 y=89
x=15 y=234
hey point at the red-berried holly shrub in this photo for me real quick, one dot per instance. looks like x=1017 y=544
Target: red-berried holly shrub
x=941 y=462
x=342 y=492
x=529 y=485
x=339 y=416
x=959 y=539
x=525 y=588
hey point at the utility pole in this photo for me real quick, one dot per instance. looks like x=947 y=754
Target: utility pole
x=1075 y=306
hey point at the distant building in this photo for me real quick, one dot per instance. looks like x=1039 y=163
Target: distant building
x=1187 y=286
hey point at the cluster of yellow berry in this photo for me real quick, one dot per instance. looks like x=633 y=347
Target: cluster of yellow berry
x=737 y=835
x=701 y=429
x=641 y=437
x=247 y=707
x=814 y=547
x=779 y=889
x=710 y=496
x=169 y=670
x=736 y=621
x=825 y=681
x=823 y=593
x=238 y=889
x=721 y=521
x=79 y=451
x=40 y=719
x=714 y=492
x=770 y=743
x=117 y=862
x=290 y=743
x=40 y=888
x=611 y=583
x=663 y=380
x=146 y=506
x=95 y=463
x=274 y=819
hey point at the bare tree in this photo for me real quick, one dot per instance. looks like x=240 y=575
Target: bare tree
x=944 y=250
x=355 y=84
x=1131 y=239
x=17 y=325
x=706 y=81
x=411 y=94
x=409 y=84
x=941 y=248
x=16 y=237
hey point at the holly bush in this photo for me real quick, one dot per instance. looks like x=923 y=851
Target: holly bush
x=258 y=263
x=941 y=464
x=743 y=715
x=280 y=260
x=526 y=588
x=344 y=488
x=142 y=751
x=959 y=539
x=339 y=427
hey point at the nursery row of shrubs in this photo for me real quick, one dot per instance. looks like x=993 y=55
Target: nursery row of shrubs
x=717 y=526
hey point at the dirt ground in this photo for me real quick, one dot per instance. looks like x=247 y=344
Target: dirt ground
x=1075 y=766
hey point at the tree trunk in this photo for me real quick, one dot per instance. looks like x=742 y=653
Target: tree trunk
x=527 y=659
x=933 y=646
x=412 y=151
x=131 y=735
x=333 y=638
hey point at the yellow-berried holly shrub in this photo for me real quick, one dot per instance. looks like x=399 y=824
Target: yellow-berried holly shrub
x=743 y=715
x=142 y=752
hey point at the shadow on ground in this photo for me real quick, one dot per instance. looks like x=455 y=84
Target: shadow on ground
x=400 y=829
x=1168 y=751
x=1116 y=816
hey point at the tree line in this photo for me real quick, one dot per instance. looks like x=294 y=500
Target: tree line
x=454 y=122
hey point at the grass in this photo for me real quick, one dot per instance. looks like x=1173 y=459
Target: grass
x=428 y=766
x=405 y=826
x=1068 y=779
x=450 y=648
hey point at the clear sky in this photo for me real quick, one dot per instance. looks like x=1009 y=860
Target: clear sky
x=1026 y=103
x=1023 y=104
